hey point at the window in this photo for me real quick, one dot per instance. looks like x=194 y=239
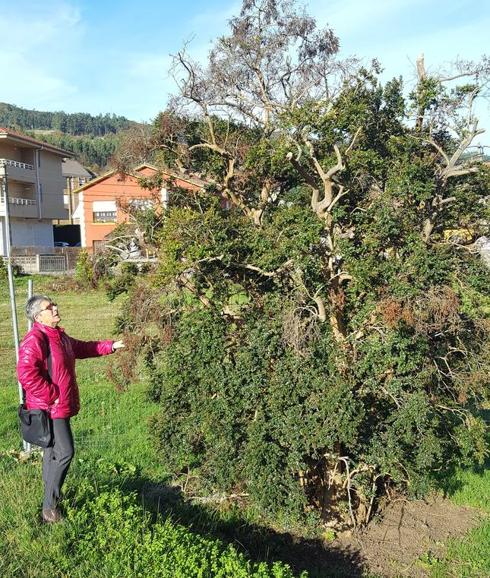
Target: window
x=104 y=211
x=104 y=216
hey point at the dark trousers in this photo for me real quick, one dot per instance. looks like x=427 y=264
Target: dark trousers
x=56 y=461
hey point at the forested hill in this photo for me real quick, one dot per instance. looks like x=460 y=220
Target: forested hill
x=78 y=123
x=93 y=139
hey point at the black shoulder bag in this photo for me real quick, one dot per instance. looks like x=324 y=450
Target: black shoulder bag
x=35 y=424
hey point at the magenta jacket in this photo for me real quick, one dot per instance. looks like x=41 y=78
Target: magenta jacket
x=32 y=369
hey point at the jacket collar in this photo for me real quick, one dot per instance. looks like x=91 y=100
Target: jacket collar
x=49 y=331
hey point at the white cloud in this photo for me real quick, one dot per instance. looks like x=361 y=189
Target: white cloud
x=30 y=86
x=55 y=24
x=55 y=59
x=37 y=41
x=397 y=31
x=203 y=28
x=358 y=17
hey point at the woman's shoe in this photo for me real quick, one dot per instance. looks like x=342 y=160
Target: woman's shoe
x=51 y=515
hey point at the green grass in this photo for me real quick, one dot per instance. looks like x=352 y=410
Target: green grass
x=469 y=557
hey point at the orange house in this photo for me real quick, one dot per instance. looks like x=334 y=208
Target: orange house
x=100 y=199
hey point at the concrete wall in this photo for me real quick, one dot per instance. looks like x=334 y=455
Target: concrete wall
x=26 y=232
x=70 y=253
x=52 y=185
x=31 y=232
x=47 y=167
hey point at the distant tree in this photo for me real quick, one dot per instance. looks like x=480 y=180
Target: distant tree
x=135 y=146
x=93 y=152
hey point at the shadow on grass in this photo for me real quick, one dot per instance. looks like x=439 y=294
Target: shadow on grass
x=258 y=543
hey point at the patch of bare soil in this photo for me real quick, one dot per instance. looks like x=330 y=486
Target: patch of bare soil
x=393 y=545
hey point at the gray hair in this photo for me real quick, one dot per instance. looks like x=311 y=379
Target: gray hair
x=33 y=306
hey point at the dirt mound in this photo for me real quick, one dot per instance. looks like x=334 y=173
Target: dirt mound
x=407 y=531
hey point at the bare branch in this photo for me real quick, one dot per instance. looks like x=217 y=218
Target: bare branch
x=339 y=195
x=264 y=273
x=211 y=146
x=322 y=315
x=353 y=141
x=453 y=169
x=339 y=166
x=435 y=145
x=304 y=173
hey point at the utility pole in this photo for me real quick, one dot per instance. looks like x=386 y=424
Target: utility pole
x=4 y=192
x=8 y=243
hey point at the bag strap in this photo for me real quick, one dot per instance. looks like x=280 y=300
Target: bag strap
x=50 y=366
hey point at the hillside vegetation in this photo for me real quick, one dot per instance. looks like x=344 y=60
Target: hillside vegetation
x=79 y=123
x=92 y=138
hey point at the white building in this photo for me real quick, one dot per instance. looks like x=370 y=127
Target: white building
x=35 y=186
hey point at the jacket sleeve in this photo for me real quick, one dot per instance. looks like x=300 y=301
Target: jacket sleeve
x=83 y=349
x=32 y=374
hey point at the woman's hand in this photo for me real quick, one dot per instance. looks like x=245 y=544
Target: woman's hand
x=117 y=345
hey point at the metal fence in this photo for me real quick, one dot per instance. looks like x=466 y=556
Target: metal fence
x=41 y=263
x=71 y=254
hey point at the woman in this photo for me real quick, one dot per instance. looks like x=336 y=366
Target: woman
x=46 y=371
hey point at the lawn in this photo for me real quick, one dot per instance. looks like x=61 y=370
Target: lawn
x=124 y=518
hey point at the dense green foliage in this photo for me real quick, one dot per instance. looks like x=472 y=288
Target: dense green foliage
x=119 y=516
x=257 y=396
x=114 y=457
x=320 y=339
x=3 y=270
x=84 y=271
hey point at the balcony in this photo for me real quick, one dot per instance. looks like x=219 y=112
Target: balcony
x=17 y=171
x=19 y=207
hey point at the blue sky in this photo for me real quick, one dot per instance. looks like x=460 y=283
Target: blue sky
x=113 y=56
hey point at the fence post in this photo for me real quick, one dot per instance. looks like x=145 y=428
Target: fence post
x=27 y=446
x=13 y=305
x=38 y=263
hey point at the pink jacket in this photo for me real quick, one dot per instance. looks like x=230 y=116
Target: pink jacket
x=42 y=390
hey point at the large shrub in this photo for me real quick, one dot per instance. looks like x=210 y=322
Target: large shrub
x=259 y=398
x=317 y=341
